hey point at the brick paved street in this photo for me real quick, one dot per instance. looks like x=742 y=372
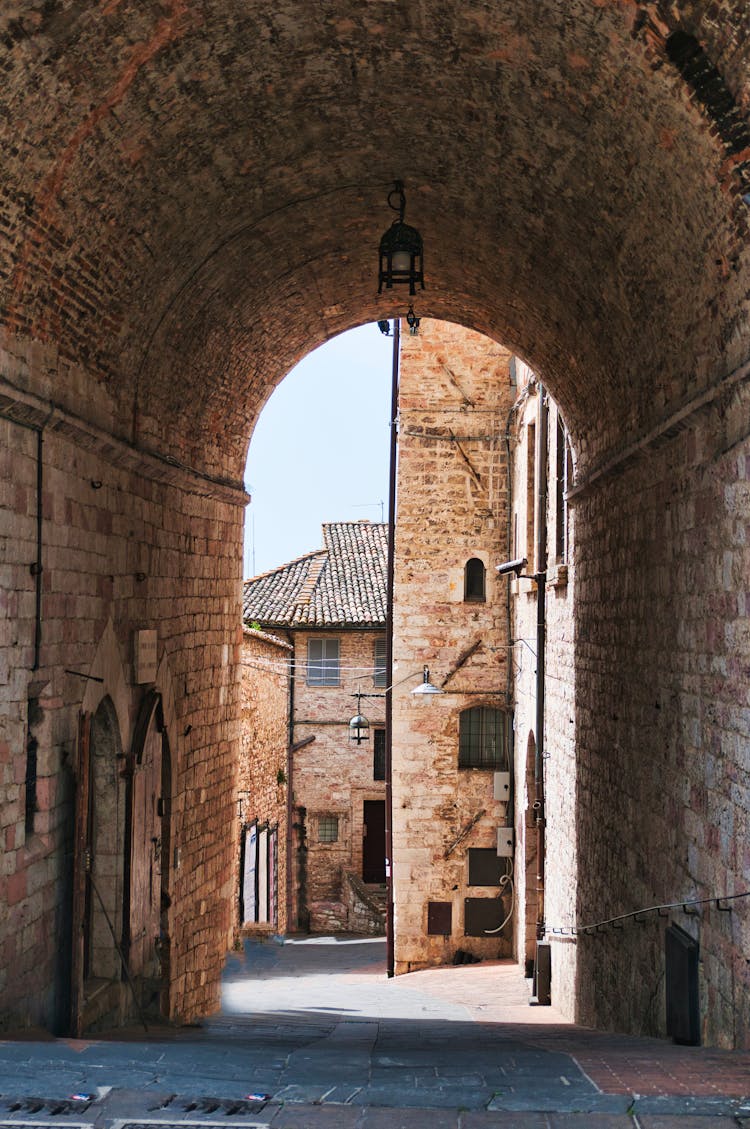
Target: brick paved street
x=313 y=1036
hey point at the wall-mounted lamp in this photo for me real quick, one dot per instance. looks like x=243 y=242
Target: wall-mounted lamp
x=401 y=249
x=359 y=726
x=385 y=327
x=425 y=686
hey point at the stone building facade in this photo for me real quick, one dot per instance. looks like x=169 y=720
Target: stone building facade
x=545 y=771
x=330 y=606
x=101 y=545
x=265 y=893
x=451 y=613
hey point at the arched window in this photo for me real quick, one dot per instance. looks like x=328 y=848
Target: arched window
x=474 y=580
x=483 y=738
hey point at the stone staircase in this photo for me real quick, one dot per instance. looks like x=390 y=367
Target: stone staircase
x=366 y=905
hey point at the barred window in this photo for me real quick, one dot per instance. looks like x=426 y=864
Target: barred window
x=379 y=672
x=482 y=738
x=328 y=828
x=322 y=662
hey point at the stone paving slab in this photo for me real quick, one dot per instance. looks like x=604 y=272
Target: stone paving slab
x=318 y=1028
x=679 y=1121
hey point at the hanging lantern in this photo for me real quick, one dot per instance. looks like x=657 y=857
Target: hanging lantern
x=359 y=726
x=400 y=249
x=413 y=322
x=359 y=729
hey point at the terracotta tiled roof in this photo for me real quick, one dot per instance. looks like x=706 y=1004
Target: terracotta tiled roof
x=341 y=585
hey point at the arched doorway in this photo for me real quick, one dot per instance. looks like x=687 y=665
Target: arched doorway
x=146 y=933
x=99 y=869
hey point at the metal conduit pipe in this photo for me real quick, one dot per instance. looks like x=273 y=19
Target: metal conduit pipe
x=540 y=576
x=390 y=945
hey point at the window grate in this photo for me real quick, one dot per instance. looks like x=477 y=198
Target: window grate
x=328 y=829
x=482 y=738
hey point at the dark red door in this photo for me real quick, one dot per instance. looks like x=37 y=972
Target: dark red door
x=373 y=844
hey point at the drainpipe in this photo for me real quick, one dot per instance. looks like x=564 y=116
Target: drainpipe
x=540 y=576
x=389 y=938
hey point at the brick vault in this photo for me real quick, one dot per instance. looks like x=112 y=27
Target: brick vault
x=191 y=199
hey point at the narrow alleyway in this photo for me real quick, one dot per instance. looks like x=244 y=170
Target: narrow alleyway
x=312 y=1034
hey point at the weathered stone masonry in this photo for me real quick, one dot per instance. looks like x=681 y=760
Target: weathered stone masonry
x=589 y=212
x=455 y=397
x=263 y=779
x=662 y=719
x=134 y=546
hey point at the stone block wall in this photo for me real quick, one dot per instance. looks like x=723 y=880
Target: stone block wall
x=264 y=751
x=662 y=719
x=557 y=902
x=456 y=394
x=128 y=542
x=333 y=776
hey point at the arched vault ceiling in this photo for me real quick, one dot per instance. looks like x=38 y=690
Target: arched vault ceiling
x=193 y=193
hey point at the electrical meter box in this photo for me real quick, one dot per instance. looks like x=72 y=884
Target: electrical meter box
x=505 y=842
x=501 y=783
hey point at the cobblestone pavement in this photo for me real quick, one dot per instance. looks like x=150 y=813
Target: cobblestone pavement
x=312 y=1034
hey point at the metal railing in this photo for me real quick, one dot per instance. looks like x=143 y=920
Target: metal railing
x=639 y=916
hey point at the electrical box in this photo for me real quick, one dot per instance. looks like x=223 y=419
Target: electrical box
x=501 y=782
x=482 y=915
x=505 y=842
x=484 y=869
x=439 y=918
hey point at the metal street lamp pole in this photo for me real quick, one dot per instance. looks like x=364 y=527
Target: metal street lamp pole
x=390 y=961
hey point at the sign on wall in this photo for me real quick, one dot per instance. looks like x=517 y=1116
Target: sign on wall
x=144 y=656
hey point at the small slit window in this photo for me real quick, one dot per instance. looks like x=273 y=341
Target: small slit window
x=475 y=580
x=328 y=829
x=482 y=738
x=378 y=749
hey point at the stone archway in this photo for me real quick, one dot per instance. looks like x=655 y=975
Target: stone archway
x=145 y=938
x=577 y=171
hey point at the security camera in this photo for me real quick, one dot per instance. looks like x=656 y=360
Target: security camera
x=516 y=566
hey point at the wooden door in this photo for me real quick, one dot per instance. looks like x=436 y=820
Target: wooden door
x=82 y=823
x=373 y=843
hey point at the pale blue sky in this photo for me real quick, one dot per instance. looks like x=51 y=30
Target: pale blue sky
x=319 y=451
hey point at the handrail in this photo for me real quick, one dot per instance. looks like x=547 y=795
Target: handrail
x=638 y=915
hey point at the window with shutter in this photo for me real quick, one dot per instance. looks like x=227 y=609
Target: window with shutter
x=323 y=662
x=379 y=672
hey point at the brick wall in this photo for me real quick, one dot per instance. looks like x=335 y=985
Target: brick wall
x=264 y=750
x=452 y=506
x=127 y=543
